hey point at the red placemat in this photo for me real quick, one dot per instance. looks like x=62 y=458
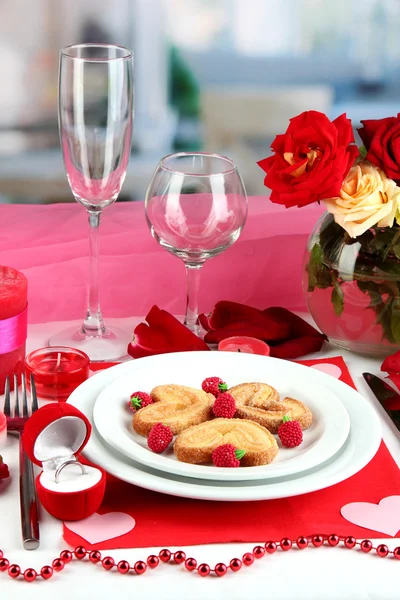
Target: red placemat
x=163 y=520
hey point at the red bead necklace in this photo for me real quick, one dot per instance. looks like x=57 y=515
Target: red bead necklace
x=179 y=557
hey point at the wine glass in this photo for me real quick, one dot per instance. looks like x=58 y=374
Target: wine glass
x=196 y=207
x=95 y=121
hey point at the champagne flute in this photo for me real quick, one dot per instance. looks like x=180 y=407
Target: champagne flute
x=196 y=207
x=95 y=122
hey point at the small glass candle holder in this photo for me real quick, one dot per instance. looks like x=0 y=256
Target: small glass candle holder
x=58 y=371
x=245 y=344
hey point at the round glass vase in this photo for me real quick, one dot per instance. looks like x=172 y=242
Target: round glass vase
x=352 y=286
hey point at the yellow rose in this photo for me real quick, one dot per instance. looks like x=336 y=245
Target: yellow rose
x=367 y=198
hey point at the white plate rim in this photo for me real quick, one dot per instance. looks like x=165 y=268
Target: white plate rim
x=341 y=467
x=115 y=434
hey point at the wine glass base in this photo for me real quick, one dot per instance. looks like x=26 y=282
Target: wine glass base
x=108 y=347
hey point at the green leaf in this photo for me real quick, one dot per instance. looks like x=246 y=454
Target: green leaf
x=337 y=298
x=395 y=322
x=318 y=274
x=223 y=387
x=239 y=454
x=363 y=151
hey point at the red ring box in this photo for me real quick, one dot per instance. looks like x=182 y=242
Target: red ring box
x=54 y=434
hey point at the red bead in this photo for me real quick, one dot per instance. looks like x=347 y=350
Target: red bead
x=66 y=556
x=58 y=564
x=80 y=552
x=220 y=569
x=333 y=539
x=350 y=542
x=4 y=563
x=382 y=550
x=152 y=561
x=302 y=542
x=248 y=559
x=14 y=571
x=203 y=570
x=270 y=547
x=140 y=567
x=235 y=564
x=179 y=557
x=317 y=540
x=95 y=556
x=286 y=544
x=366 y=545
x=396 y=553
x=107 y=563
x=258 y=551
x=123 y=567
x=164 y=555
x=190 y=564
x=30 y=575
x=46 y=572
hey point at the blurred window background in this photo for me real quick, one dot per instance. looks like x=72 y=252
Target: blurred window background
x=219 y=75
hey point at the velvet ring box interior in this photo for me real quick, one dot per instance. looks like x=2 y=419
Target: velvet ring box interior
x=53 y=438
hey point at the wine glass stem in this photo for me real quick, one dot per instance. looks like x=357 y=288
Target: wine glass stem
x=192 y=296
x=93 y=323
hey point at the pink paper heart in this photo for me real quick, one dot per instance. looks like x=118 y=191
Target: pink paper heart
x=329 y=369
x=100 y=528
x=383 y=517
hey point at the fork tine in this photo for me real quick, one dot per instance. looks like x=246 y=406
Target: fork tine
x=33 y=394
x=7 y=407
x=25 y=411
x=16 y=397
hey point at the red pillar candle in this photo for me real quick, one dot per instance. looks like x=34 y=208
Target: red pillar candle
x=13 y=307
x=242 y=343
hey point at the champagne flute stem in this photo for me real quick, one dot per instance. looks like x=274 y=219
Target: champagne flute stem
x=93 y=323
x=192 y=296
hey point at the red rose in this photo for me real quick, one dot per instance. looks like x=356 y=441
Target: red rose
x=311 y=159
x=381 y=139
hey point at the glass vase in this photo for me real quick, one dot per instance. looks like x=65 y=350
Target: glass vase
x=352 y=286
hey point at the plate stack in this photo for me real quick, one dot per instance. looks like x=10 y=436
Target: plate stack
x=343 y=438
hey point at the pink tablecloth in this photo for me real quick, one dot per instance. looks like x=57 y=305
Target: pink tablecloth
x=50 y=245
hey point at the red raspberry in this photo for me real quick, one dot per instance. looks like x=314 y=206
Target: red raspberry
x=4 y=472
x=224 y=406
x=214 y=386
x=139 y=400
x=159 y=438
x=227 y=456
x=290 y=433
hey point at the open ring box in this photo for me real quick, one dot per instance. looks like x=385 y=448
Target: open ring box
x=53 y=437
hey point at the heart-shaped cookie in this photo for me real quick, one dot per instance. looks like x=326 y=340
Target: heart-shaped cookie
x=196 y=444
x=176 y=406
x=260 y=402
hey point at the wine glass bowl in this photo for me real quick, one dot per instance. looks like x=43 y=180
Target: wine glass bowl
x=95 y=105
x=196 y=207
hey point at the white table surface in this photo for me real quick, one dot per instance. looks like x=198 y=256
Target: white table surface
x=315 y=573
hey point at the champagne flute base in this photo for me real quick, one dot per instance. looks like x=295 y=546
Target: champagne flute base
x=110 y=346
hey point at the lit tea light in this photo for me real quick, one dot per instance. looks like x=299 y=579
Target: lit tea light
x=242 y=343
x=57 y=371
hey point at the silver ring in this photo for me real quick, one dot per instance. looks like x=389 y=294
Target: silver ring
x=65 y=464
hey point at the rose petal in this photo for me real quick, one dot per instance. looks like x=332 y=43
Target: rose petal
x=298 y=326
x=225 y=313
x=297 y=347
x=391 y=364
x=163 y=334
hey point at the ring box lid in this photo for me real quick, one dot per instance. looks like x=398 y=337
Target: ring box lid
x=55 y=433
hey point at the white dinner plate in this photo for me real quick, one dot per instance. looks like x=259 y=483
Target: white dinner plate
x=327 y=434
x=360 y=447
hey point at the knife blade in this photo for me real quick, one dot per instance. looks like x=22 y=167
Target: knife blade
x=387 y=396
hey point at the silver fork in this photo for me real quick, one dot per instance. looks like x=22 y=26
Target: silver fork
x=27 y=490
